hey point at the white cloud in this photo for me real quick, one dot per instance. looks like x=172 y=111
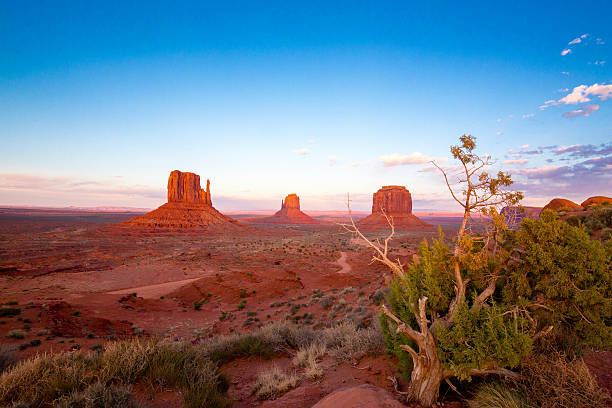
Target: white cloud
x=402 y=160
x=528 y=115
x=565 y=72
x=599 y=41
x=575 y=41
x=517 y=161
x=582 y=111
x=355 y=164
x=549 y=103
x=599 y=62
x=498 y=120
x=333 y=159
x=302 y=151
x=499 y=133
x=580 y=94
x=525 y=146
x=566 y=51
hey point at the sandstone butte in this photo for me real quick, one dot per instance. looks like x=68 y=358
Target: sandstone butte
x=188 y=206
x=597 y=200
x=396 y=203
x=289 y=213
x=561 y=204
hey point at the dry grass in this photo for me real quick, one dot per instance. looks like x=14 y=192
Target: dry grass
x=307 y=358
x=45 y=378
x=273 y=383
x=497 y=395
x=552 y=381
x=98 y=396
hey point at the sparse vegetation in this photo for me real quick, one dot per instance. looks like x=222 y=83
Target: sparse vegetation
x=16 y=334
x=241 y=305
x=9 y=311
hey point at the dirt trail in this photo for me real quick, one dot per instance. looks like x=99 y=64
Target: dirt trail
x=346 y=268
x=154 y=291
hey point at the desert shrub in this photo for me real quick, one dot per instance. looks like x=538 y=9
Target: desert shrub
x=551 y=381
x=307 y=358
x=327 y=301
x=7 y=357
x=347 y=290
x=273 y=383
x=223 y=349
x=378 y=297
x=498 y=395
x=241 y=305
x=9 y=311
x=97 y=396
x=345 y=342
x=16 y=334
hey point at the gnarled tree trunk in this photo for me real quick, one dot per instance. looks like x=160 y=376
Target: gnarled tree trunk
x=427 y=375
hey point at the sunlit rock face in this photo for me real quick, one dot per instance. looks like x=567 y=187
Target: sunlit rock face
x=289 y=213
x=396 y=203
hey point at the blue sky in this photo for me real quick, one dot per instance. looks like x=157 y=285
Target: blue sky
x=99 y=101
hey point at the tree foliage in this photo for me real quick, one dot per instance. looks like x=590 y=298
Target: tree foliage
x=478 y=308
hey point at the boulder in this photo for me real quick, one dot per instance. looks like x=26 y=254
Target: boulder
x=597 y=200
x=561 y=204
x=363 y=396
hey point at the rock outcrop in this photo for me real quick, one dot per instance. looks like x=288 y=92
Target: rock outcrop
x=514 y=215
x=561 y=204
x=396 y=203
x=289 y=213
x=362 y=396
x=188 y=206
x=597 y=200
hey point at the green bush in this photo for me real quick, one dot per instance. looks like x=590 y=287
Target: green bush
x=563 y=278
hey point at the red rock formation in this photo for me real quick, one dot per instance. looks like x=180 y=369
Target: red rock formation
x=289 y=213
x=597 y=200
x=396 y=203
x=185 y=188
x=561 y=204
x=188 y=206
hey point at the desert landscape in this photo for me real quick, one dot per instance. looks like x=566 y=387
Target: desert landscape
x=305 y=204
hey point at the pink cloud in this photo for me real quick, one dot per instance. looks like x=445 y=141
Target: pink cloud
x=517 y=161
x=566 y=51
x=402 y=160
x=583 y=111
x=580 y=94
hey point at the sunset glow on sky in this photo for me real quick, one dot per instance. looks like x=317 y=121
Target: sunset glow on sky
x=99 y=101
